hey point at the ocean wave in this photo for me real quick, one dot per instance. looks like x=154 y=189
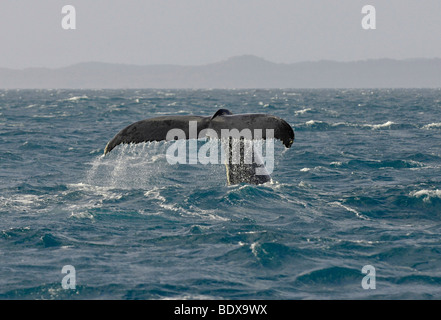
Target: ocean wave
x=303 y=111
x=312 y=122
x=387 y=124
x=323 y=125
x=77 y=98
x=32 y=236
x=349 y=209
x=314 y=169
x=426 y=194
x=330 y=276
x=25 y=203
x=82 y=199
x=167 y=202
x=392 y=163
x=162 y=113
x=271 y=254
x=358 y=195
x=48 y=291
x=434 y=125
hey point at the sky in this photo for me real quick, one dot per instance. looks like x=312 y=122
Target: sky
x=197 y=32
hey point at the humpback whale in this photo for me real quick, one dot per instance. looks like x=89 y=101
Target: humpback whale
x=255 y=126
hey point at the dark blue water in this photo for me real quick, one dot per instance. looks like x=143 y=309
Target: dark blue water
x=360 y=186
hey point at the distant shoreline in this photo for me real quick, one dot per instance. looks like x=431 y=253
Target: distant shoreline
x=237 y=72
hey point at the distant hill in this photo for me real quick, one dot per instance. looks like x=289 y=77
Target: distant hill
x=237 y=72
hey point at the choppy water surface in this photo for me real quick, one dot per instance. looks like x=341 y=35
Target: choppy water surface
x=360 y=186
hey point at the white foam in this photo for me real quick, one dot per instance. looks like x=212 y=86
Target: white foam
x=105 y=192
x=27 y=199
x=82 y=215
x=154 y=194
x=432 y=125
x=357 y=214
x=426 y=194
x=168 y=113
x=77 y=98
x=302 y=111
x=97 y=197
x=303 y=184
x=21 y=201
x=380 y=126
x=312 y=122
x=346 y=124
x=253 y=249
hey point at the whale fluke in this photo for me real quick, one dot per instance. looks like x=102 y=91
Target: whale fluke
x=156 y=129
x=257 y=125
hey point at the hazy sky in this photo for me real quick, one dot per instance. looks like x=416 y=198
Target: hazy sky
x=193 y=32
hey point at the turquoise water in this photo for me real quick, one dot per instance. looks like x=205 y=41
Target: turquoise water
x=360 y=186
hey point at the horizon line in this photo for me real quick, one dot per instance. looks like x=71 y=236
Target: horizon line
x=250 y=56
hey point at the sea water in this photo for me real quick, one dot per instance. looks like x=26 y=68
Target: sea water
x=360 y=186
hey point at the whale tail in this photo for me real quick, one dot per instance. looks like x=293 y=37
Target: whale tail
x=244 y=127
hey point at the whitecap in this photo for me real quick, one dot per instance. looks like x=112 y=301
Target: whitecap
x=426 y=194
x=432 y=125
x=154 y=194
x=302 y=111
x=312 y=122
x=22 y=202
x=253 y=249
x=303 y=184
x=82 y=215
x=76 y=98
x=26 y=199
x=380 y=126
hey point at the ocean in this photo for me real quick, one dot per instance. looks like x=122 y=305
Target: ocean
x=353 y=211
